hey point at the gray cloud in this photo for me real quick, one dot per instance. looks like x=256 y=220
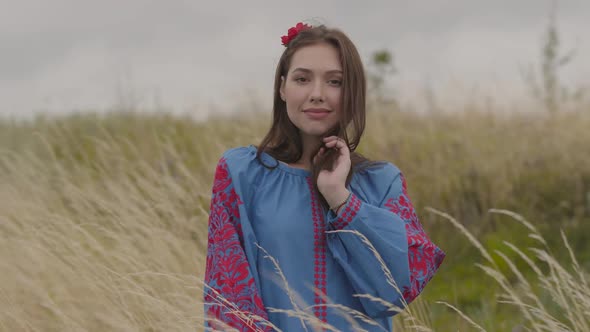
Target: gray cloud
x=62 y=54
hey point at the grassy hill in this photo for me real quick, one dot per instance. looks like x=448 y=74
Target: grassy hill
x=103 y=218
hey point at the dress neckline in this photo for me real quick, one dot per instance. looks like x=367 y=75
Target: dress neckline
x=282 y=165
x=297 y=170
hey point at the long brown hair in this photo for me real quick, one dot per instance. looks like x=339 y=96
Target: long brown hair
x=283 y=140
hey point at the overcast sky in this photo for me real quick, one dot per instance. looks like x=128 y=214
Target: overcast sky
x=63 y=55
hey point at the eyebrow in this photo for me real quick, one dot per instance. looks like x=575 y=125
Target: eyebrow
x=305 y=70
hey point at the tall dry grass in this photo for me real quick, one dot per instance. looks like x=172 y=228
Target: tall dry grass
x=566 y=283
x=103 y=219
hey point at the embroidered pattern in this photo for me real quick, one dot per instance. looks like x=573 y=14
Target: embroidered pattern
x=349 y=212
x=423 y=255
x=319 y=248
x=231 y=286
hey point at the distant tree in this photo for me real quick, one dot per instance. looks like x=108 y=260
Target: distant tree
x=545 y=85
x=381 y=67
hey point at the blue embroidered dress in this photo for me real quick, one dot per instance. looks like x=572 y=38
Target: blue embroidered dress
x=265 y=220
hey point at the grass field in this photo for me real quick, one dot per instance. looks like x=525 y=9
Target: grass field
x=103 y=218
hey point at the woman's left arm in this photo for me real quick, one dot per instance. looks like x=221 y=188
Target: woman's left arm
x=404 y=258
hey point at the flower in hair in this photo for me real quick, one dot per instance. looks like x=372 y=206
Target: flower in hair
x=293 y=32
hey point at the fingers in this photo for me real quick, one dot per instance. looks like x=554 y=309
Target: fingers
x=332 y=142
x=330 y=138
x=333 y=139
x=335 y=144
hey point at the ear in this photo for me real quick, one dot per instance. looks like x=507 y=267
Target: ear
x=282 y=89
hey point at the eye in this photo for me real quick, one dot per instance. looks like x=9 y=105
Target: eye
x=335 y=82
x=300 y=79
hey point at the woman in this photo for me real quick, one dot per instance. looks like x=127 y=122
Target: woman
x=303 y=231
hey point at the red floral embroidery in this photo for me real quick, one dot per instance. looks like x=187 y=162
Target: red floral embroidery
x=349 y=212
x=227 y=273
x=423 y=255
x=319 y=277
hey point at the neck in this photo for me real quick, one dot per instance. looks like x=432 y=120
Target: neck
x=310 y=144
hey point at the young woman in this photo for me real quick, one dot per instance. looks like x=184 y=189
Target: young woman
x=303 y=231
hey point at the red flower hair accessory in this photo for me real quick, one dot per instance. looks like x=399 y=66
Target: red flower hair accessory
x=293 y=32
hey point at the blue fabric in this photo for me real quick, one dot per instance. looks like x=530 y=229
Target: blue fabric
x=277 y=219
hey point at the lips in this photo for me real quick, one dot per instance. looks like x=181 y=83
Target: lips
x=317 y=114
x=316 y=110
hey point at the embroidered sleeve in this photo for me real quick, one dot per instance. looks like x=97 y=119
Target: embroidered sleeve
x=393 y=229
x=424 y=257
x=231 y=298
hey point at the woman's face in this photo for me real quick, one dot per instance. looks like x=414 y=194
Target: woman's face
x=312 y=89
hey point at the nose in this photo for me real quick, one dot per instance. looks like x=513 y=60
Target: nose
x=317 y=93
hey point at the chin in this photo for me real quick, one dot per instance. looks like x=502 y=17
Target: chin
x=319 y=132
